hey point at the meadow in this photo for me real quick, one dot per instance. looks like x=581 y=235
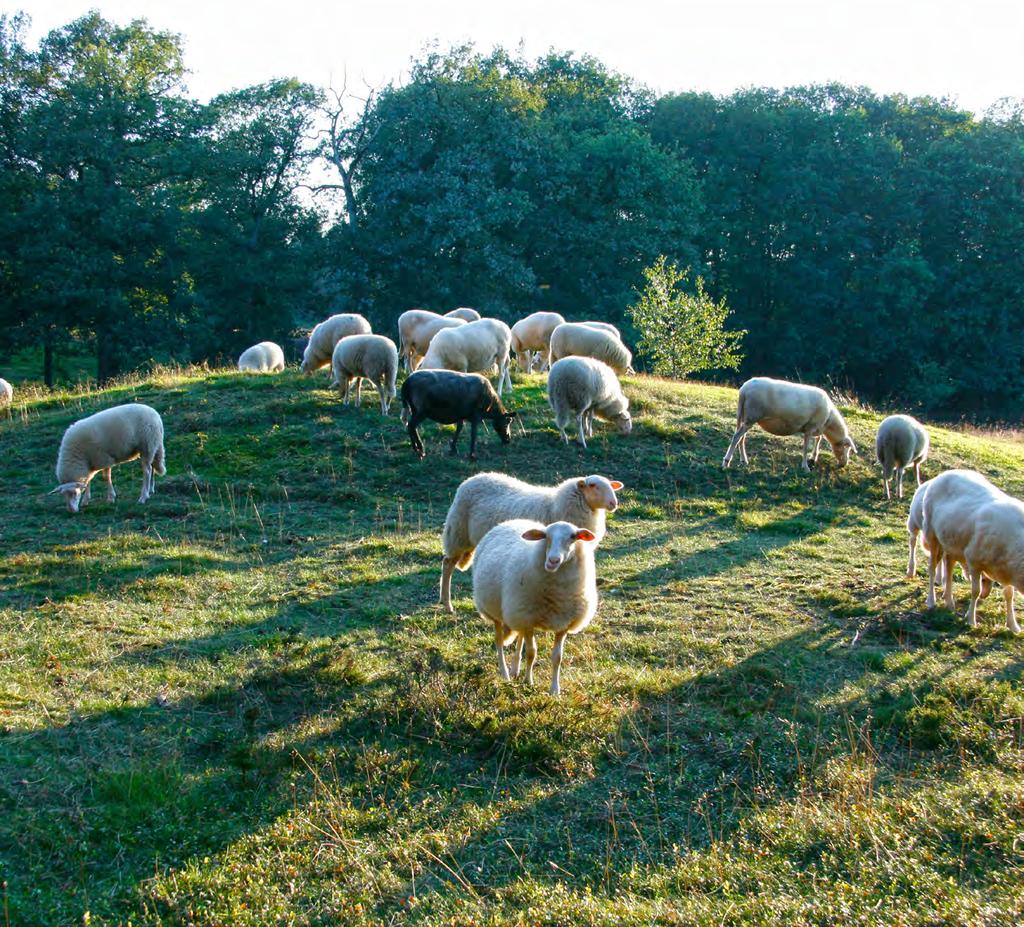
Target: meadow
x=240 y=704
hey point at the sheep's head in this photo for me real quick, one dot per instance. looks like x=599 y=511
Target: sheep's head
x=502 y=422
x=561 y=537
x=599 y=492
x=843 y=449
x=624 y=422
x=72 y=493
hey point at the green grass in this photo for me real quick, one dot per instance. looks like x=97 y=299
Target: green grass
x=241 y=704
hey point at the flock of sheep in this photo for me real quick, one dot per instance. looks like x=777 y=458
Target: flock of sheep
x=532 y=547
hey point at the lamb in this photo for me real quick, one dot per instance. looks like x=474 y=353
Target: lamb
x=265 y=357
x=583 y=340
x=523 y=586
x=534 y=334
x=487 y=499
x=451 y=398
x=902 y=442
x=326 y=335
x=580 y=388
x=109 y=437
x=464 y=313
x=371 y=356
x=6 y=392
x=416 y=329
x=474 y=347
x=784 y=408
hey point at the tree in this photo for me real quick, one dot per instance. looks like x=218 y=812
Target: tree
x=680 y=332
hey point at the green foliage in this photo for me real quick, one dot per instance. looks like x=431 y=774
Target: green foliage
x=681 y=332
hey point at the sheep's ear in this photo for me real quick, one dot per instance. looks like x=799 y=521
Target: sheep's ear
x=584 y=535
x=534 y=534
x=616 y=485
x=581 y=484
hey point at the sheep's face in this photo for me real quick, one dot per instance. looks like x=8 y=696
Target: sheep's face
x=599 y=493
x=503 y=425
x=561 y=538
x=624 y=421
x=842 y=451
x=72 y=493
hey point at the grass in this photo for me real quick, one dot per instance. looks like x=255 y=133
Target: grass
x=241 y=704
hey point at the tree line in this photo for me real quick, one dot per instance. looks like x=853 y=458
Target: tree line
x=860 y=240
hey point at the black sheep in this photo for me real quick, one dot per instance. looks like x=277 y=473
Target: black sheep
x=452 y=398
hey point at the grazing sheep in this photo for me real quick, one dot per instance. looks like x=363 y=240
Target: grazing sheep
x=784 y=408
x=902 y=441
x=474 y=347
x=265 y=357
x=487 y=499
x=452 y=398
x=416 y=329
x=464 y=313
x=969 y=521
x=580 y=388
x=606 y=327
x=371 y=356
x=583 y=340
x=6 y=392
x=326 y=335
x=110 y=437
x=534 y=334
x=524 y=586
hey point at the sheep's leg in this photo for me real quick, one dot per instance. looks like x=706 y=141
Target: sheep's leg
x=917 y=472
x=359 y=392
x=899 y=482
x=382 y=392
x=556 y=663
x=1011 y=618
x=499 y=642
x=447 y=569
x=582 y=429
x=455 y=438
x=912 y=560
x=739 y=435
x=417 y=444
x=345 y=390
x=517 y=656
x=589 y=421
x=886 y=479
x=108 y=475
x=147 y=471
x=806 y=453
x=947 y=576
x=530 y=643
x=474 y=424
x=817 y=449
x=933 y=565
x=972 y=609
x=525 y=365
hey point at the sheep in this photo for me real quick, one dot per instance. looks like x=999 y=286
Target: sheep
x=902 y=442
x=534 y=334
x=265 y=357
x=371 y=356
x=604 y=326
x=784 y=408
x=326 y=335
x=474 y=347
x=6 y=392
x=464 y=313
x=487 y=499
x=98 y=442
x=583 y=340
x=451 y=398
x=580 y=388
x=523 y=587
x=967 y=520
x=416 y=329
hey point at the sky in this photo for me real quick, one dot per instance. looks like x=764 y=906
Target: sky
x=972 y=52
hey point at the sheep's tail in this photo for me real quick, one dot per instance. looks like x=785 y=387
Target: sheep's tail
x=158 y=461
x=740 y=406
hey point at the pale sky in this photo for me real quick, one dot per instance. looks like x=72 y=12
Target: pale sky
x=972 y=52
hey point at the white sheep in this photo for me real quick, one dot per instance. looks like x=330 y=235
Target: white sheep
x=265 y=357
x=113 y=436
x=583 y=340
x=902 y=442
x=487 y=499
x=327 y=334
x=464 y=313
x=371 y=356
x=473 y=347
x=6 y=392
x=533 y=577
x=580 y=388
x=416 y=329
x=534 y=334
x=784 y=408
x=969 y=521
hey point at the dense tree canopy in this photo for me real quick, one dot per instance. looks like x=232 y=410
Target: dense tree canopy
x=861 y=240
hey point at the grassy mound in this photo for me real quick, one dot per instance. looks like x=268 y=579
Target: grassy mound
x=240 y=703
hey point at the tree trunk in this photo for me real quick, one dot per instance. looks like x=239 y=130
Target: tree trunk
x=48 y=362
x=107 y=365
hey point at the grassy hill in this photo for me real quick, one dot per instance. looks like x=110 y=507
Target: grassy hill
x=241 y=704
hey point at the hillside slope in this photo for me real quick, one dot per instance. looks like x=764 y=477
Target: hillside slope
x=240 y=703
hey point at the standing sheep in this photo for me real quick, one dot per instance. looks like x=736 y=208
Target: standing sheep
x=583 y=340
x=326 y=335
x=113 y=436
x=580 y=388
x=371 y=356
x=534 y=334
x=6 y=392
x=464 y=313
x=783 y=408
x=265 y=357
x=487 y=499
x=416 y=329
x=475 y=347
x=902 y=441
x=533 y=577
